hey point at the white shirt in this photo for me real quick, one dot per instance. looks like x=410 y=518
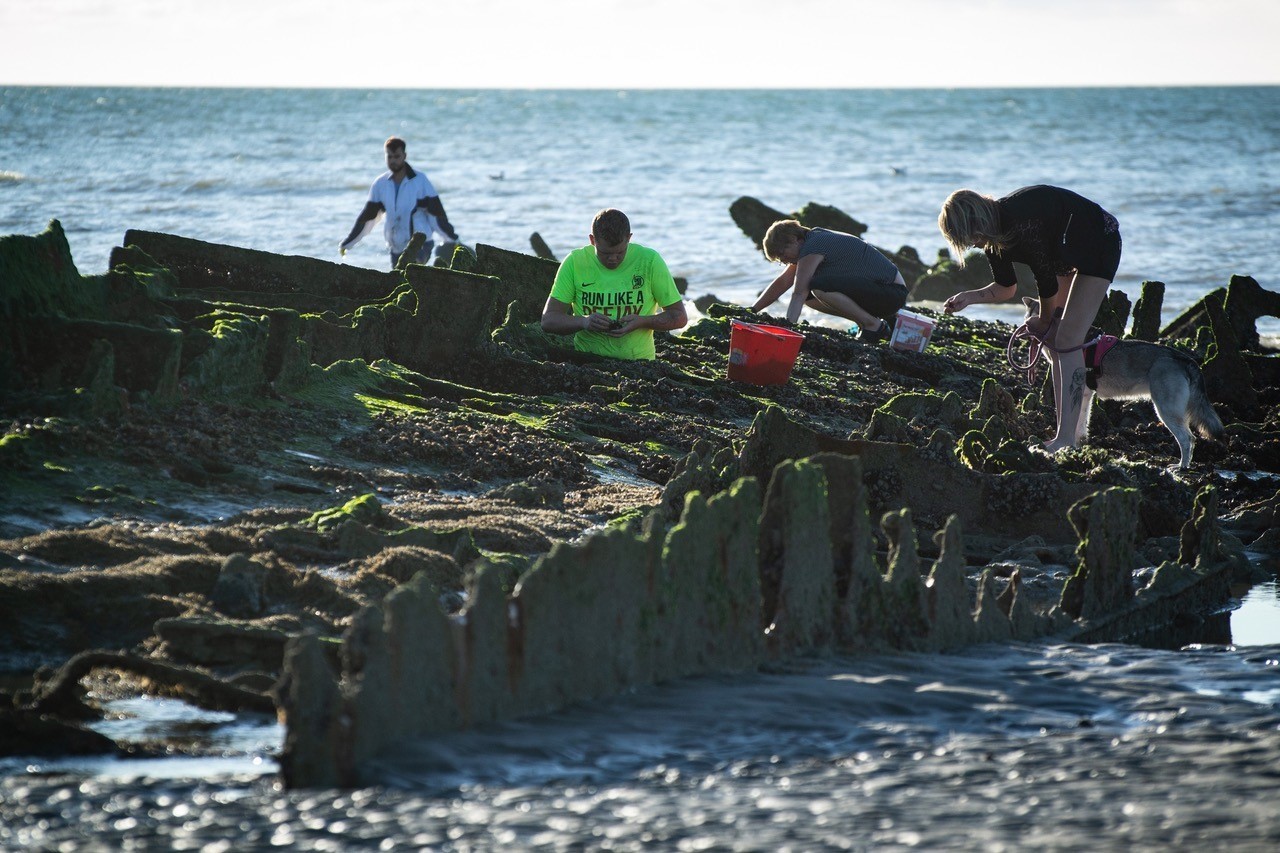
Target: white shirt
x=400 y=203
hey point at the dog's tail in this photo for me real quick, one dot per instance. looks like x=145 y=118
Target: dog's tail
x=1204 y=420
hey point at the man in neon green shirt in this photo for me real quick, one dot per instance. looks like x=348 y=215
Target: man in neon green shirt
x=606 y=294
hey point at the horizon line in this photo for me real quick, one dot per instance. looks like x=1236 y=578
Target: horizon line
x=648 y=88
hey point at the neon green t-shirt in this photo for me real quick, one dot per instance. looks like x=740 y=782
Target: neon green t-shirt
x=639 y=285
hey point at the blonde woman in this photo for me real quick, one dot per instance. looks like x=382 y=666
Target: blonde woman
x=1073 y=247
x=835 y=273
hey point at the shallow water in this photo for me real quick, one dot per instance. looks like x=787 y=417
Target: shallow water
x=999 y=747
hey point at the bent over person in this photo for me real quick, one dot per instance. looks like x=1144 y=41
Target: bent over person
x=1073 y=247
x=607 y=294
x=409 y=202
x=835 y=273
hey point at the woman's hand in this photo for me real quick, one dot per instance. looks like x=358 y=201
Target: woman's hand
x=960 y=301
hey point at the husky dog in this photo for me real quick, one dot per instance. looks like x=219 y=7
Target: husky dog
x=1139 y=370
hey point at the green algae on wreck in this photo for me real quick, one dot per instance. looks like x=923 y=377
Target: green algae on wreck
x=368 y=457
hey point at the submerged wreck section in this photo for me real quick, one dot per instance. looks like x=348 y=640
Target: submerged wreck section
x=747 y=575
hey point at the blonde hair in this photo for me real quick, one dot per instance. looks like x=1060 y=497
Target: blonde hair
x=780 y=234
x=971 y=219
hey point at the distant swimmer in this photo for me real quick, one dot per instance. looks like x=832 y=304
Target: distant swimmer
x=498 y=177
x=835 y=273
x=607 y=295
x=409 y=202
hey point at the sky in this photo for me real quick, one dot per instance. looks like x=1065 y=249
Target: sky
x=639 y=43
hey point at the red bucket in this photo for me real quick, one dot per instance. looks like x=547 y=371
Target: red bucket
x=762 y=355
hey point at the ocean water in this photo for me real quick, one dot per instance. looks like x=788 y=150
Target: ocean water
x=1193 y=174
x=1011 y=747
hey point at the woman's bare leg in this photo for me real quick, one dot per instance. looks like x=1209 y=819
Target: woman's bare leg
x=838 y=305
x=1084 y=297
x=1051 y=308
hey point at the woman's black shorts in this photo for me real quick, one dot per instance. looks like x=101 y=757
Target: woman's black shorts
x=1094 y=251
x=878 y=298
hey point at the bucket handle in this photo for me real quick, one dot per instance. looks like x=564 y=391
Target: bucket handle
x=786 y=334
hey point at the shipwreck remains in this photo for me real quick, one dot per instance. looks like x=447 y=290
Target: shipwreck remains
x=394 y=498
x=744 y=576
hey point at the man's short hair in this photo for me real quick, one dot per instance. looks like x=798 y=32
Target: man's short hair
x=394 y=143
x=611 y=226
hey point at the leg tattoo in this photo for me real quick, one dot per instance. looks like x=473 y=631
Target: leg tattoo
x=1076 y=392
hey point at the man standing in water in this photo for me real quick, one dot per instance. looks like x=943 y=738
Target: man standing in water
x=606 y=294
x=410 y=204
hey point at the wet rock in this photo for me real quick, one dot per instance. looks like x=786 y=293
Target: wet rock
x=951 y=623
x=46 y=617
x=520 y=279
x=1146 y=312
x=991 y=625
x=1245 y=302
x=946 y=410
x=1103 y=581
x=410 y=254
x=316 y=752
x=1257 y=518
x=906 y=620
x=401 y=564
x=704 y=302
x=797 y=576
x=485 y=630
x=754 y=218
x=24 y=733
x=1227 y=376
x=1113 y=313
x=540 y=247
x=707 y=468
x=947 y=278
x=222 y=642
x=62 y=692
x=1242 y=301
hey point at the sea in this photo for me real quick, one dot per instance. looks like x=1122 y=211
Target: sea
x=1020 y=746
x=1192 y=174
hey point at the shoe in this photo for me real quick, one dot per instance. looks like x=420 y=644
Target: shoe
x=874 y=336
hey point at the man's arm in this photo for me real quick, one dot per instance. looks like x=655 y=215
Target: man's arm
x=558 y=319
x=670 y=318
x=370 y=212
x=431 y=204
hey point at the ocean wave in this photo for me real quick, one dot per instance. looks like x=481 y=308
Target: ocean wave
x=203 y=185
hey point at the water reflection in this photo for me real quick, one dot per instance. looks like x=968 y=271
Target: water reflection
x=1256 y=622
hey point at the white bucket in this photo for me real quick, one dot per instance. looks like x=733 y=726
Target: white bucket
x=911 y=331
